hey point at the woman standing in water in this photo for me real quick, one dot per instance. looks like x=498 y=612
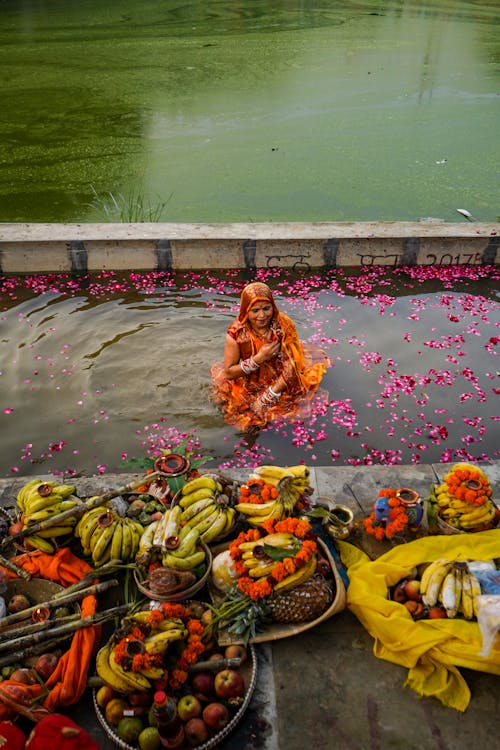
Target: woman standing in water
x=267 y=373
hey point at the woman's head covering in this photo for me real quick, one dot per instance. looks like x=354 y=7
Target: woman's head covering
x=255 y=292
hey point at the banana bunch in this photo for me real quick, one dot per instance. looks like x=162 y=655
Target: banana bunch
x=263 y=555
x=453 y=585
x=167 y=541
x=157 y=641
x=38 y=501
x=206 y=508
x=105 y=536
x=461 y=514
x=292 y=484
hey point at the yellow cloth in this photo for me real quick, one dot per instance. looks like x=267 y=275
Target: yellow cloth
x=431 y=649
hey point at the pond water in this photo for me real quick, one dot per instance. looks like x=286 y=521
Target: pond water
x=296 y=110
x=101 y=369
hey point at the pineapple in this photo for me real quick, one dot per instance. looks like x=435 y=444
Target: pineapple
x=303 y=603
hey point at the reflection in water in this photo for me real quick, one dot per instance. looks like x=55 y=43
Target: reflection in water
x=117 y=365
x=249 y=111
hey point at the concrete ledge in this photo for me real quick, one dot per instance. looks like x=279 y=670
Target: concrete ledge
x=78 y=248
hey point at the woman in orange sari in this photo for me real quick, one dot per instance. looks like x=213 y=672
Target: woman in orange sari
x=267 y=373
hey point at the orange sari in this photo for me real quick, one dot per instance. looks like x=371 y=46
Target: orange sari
x=302 y=367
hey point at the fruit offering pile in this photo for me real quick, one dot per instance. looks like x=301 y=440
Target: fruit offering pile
x=464 y=499
x=274 y=493
x=165 y=649
x=440 y=589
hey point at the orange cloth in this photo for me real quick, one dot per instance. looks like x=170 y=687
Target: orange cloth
x=68 y=681
x=302 y=366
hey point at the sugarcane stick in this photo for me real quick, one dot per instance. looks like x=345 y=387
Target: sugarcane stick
x=55 y=636
x=56 y=601
x=21 y=572
x=61 y=631
x=34 y=627
x=78 y=510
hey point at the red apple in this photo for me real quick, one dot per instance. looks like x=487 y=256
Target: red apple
x=45 y=665
x=203 y=682
x=23 y=675
x=196 y=731
x=229 y=684
x=236 y=651
x=189 y=707
x=412 y=590
x=437 y=613
x=399 y=592
x=216 y=716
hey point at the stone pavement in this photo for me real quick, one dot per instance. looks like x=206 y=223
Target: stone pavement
x=324 y=688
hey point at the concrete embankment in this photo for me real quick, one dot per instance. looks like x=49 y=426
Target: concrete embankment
x=78 y=248
x=324 y=687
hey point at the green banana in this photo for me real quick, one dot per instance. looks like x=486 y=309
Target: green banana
x=183 y=563
x=37 y=542
x=205 y=519
x=187 y=545
x=53 y=531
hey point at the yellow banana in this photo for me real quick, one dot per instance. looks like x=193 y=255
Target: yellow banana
x=135 y=680
x=23 y=493
x=448 y=594
x=37 y=542
x=195 y=497
x=467 y=600
x=276 y=513
x=116 y=542
x=107 y=675
x=256 y=509
x=215 y=530
x=184 y=563
x=103 y=541
x=159 y=642
x=262 y=569
x=34 y=504
x=300 y=576
x=476 y=592
x=127 y=541
x=146 y=543
x=84 y=519
x=230 y=521
x=278 y=472
x=172 y=526
x=432 y=578
x=64 y=490
x=153 y=673
x=194 y=508
x=299 y=471
x=199 y=483
x=87 y=530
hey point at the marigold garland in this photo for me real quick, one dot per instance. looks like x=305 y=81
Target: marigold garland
x=142 y=661
x=468 y=484
x=397 y=515
x=259 y=589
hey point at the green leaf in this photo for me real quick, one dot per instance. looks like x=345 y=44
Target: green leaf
x=280 y=553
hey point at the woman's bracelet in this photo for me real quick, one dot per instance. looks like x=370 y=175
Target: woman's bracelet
x=249 y=365
x=274 y=394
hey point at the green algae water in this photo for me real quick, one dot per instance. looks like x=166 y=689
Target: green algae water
x=249 y=110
